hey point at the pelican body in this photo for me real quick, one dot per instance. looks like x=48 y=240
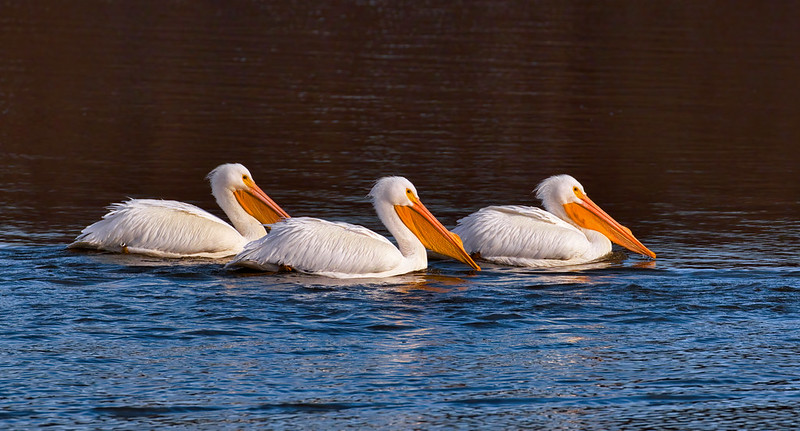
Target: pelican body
x=343 y=250
x=571 y=229
x=165 y=228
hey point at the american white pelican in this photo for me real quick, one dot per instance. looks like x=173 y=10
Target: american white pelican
x=343 y=250
x=573 y=230
x=164 y=228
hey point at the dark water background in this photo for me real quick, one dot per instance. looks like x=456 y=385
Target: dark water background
x=681 y=119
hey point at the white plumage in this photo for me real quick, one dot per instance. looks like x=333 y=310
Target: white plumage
x=322 y=247
x=521 y=236
x=166 y=228
x=343 y=250
x=573 y=230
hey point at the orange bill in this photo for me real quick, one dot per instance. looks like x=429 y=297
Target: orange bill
x=590 y=216
x=259 y=205
x=432 y=234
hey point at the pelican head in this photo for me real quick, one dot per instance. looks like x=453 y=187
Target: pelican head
x=565 y=197
x=393 y=191
x=234 y=180
x=396 y=198
x=556 y=191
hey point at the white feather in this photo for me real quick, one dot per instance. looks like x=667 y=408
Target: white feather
x=161 y=228
x=343 y=250
x=321 y=247
x=521 y=236
x=165 y=228
x=533 y=237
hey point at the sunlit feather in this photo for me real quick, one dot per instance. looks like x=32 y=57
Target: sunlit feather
x=166 y=228
x=343 y=250
x=529 y=236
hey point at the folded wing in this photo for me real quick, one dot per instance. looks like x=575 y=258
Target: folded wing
x=161 y=228
x=520 y=232
x=318 y=246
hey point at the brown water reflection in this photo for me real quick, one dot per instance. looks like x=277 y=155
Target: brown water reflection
x=668 y=112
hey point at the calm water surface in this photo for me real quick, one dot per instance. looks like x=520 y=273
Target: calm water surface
x=680 y=119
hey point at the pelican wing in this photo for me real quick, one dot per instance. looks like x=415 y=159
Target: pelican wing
x=520 y=232
x=320 y=247
x=161 y=228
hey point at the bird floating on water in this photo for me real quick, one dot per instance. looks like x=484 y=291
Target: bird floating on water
x=572 y=230
x=166 y=228
x=343 y=250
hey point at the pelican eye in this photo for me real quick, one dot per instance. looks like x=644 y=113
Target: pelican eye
x=244 y=177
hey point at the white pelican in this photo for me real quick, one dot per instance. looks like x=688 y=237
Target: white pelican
x=573 y=230
x=164 y=228
x=343 y=250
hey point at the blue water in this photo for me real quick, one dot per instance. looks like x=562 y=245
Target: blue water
x=127 y=342
x=680 y=120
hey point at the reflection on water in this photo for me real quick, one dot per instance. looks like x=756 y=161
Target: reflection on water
x=680 y=119
x=404 y=283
